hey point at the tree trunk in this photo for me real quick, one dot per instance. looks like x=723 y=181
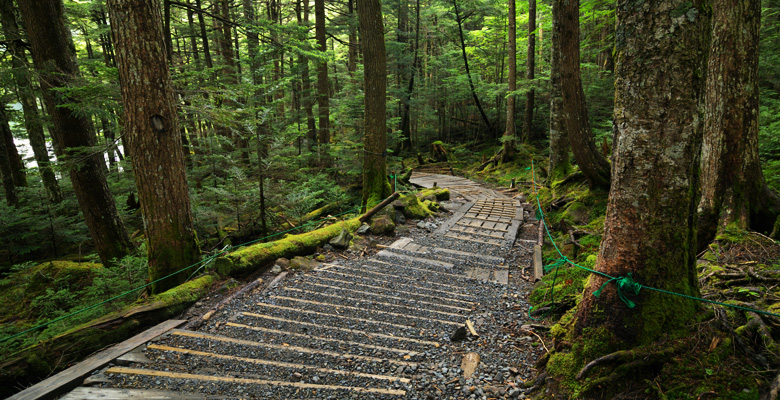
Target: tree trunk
x=323 y=88
x=650 y=226
x=529 y=72
x=152 y=130
x=372 y=39
x=560 y=161
x=6 y=171
x=591 y=162
x=353 y=41
x=733 y=186
x=511 y=130
x=49 y=42
x=18 y=173
x=32 y=119
x=485 y=119
x=307 y=95
x=204 y=37
x=406 y=107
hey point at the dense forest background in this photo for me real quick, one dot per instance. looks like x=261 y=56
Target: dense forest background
x=271 y=116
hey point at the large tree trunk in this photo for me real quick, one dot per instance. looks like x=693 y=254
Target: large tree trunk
x=32 y=119
x=6 y=171
x=529 y=72
x=511 y=130
x=560 y=162
x=372 y=38
x=152 y=129
x=591 y=162
x=49 y=42
x=323 y=86
x=733 y=186
x=650 y=226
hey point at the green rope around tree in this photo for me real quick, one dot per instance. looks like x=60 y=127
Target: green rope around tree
x=201 y=263
x=626 y=285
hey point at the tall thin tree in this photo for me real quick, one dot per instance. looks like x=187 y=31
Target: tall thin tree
x=530 y=68
x=511 y=130
x=49 y=41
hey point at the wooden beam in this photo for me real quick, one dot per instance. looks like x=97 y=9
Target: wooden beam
x=72 y=377
x=538 y=269
x=378 y=207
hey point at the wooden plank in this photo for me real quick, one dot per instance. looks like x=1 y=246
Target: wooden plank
x=468 y=239
x=280 y=364
x=283 y=348
x=72 y=377
x=248 y=381
x=538 y=268
x=473 y=231
x=90 y=393
x=471 y=329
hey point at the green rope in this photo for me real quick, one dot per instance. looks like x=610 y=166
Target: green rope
x=625 y=284
x=201 y=263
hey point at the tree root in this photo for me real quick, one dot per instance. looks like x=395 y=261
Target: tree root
x=633 y=358
x=774 y=389
x=743 y=347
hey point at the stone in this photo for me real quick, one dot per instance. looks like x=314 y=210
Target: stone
x=276 y=269
x=382 y=225
x=363 y=229
x=303 y=264
x=400 y=219
x=469 y=364
x=459 y=334
x=283 y=262
x=342 y=240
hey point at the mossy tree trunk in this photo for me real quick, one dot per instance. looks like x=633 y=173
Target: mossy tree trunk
x=591 y=162
x=733 y=186
x=32 y=119
x=50 y=44
x=152 y=129
x=372 y=39
x=17 y=171
x=560 y=161
x=650 y=223
x=511 y=130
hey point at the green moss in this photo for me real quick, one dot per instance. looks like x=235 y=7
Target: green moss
x=413 y=208
x=440 y=194
x=249 y=258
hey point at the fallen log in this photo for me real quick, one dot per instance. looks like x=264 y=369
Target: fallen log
x=370 y=213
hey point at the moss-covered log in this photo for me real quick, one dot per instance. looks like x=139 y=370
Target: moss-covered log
x=54 y=354
x=244 y=260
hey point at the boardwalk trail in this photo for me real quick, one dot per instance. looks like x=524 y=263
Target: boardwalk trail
x=373 y=327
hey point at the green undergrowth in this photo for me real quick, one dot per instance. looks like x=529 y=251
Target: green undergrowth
x=722 y=353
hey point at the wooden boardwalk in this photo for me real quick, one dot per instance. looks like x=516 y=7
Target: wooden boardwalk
x=349 y=329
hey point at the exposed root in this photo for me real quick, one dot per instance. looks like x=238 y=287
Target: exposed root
x=774 y=389
x=630 y=358
x=738 y=340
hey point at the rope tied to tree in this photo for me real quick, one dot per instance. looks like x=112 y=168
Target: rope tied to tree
x=624 y=284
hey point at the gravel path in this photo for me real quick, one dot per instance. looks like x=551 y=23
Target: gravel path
x=378 y=326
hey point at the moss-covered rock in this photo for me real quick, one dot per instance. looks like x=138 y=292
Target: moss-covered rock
x=413 y=208
x=440 y=194
x=303 y=264
x=382 y=225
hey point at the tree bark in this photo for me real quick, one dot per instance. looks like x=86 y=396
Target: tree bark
x=560 y=161
x=650 y=225
x=49 y=42
x=6 y=171
x=306 y=91
x=204 y=37
x=323 y=87
x=32 y=119
x=529 y=72
x=733 y=185
x=372 y=39
x=511 y=130
x=591 y=162
x=152 y=130
x=18 y=172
